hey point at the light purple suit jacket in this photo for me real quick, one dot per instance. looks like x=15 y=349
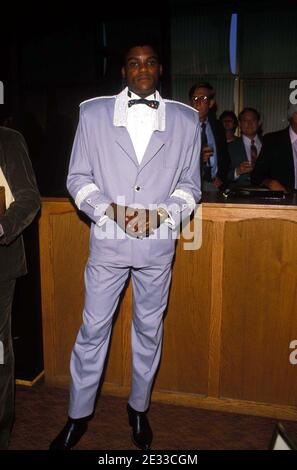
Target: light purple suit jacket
x=104 y=166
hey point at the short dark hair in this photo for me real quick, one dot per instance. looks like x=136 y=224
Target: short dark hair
x=141 y=42
x=231 y=114
x=249 y=110
x=202 y=85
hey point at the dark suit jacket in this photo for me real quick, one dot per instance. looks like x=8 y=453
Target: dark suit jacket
x=237 y=156
x=222 y=149
x=276 y=160
x=17 y=169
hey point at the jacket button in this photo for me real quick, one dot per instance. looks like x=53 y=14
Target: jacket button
x=137 y=188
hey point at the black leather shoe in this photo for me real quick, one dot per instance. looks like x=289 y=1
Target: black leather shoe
x=70 y=434
x=142 y=434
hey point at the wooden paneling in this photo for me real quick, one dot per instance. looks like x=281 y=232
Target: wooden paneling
x=184 y=365
x=259 y=311
x=230 y=319
x=69 y=253
x=64 y=241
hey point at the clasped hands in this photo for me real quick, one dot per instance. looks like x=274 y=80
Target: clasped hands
x=137 y=223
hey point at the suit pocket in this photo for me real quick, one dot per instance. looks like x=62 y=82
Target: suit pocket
x=171 y=161
x=174 y=155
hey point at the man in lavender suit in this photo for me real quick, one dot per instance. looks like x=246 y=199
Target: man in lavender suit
x=134 y=171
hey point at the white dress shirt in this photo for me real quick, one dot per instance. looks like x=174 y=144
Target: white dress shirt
x=293 y=137
x=213 y=160
x=247 y=145
x=141 y=125
x=140 y=120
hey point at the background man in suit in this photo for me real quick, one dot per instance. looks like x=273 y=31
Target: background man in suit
x=17 y=174
x=134 y=171
x=276 y=167
x=214 y=156
x=245 y=151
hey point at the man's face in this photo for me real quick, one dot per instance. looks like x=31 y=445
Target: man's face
x=249 y=124
x=202 y=102
x=142 y=70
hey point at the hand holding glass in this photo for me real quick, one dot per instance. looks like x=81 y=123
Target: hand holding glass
x=207 y=152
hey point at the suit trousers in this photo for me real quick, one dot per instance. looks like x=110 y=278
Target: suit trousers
x=6 y=363
x=103 y=286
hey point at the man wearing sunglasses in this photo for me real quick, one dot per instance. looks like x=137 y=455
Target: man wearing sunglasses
x=214 y=157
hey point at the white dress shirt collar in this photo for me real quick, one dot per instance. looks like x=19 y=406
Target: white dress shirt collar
x=247 y=145
x=293 y=135
x=120 y=117
x=247 y=140
x=293 y=138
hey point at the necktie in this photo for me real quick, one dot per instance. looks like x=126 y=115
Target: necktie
x=203 y=135
x=254 y=152
x=151 y=103
x=206 y=168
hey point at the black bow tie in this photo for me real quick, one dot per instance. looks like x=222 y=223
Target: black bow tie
x=151 y=103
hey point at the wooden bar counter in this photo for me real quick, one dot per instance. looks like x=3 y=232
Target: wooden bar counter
x=232 y=312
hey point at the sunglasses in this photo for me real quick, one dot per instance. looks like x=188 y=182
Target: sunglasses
x=200 y=99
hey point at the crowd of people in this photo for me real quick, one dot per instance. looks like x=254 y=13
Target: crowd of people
x=249 y=159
